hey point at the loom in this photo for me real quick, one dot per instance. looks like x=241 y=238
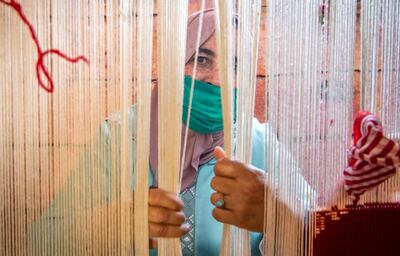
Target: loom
x=70 y=67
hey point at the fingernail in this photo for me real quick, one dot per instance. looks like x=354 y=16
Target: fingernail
x=186 y=227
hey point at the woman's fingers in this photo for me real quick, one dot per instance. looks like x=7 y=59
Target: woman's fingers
x=223 y=185
x=165 y=216
x=217 y=197
x=239 y=197
x=225 y=216
x=161 y=198
x=164 y=230
x=229 y=202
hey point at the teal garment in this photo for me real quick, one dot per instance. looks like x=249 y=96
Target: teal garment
x=208 y=231
x=206 y=109
x=54 y=228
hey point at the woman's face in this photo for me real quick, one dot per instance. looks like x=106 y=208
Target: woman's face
x=207 y=71
x=207 y=63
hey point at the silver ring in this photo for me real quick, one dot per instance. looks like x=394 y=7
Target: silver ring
x=220 y=202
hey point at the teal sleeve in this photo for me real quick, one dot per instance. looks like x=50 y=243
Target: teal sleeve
x=153 y=252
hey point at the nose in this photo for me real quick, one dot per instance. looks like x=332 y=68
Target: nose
x=209 y=75
x=213 y=77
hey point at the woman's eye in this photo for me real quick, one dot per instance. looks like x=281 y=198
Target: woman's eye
x=202 y=60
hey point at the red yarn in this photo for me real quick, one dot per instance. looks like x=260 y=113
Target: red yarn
x=40 y=67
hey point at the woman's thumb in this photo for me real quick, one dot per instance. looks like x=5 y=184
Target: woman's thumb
x=219 y=153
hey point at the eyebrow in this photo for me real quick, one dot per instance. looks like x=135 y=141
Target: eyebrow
x=207 y=51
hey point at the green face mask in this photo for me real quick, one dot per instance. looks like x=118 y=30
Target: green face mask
x=206 y=113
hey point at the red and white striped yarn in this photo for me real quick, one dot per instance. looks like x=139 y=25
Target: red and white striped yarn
x=373 y=158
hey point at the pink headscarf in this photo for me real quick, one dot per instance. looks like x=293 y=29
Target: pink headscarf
x=208 y=29
x=199 y=147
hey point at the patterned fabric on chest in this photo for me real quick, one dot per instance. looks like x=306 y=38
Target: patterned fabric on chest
x=187 y=241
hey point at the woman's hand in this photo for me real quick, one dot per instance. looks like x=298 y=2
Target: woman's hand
x=239 y=196
x=165 y=220
x=166 y=215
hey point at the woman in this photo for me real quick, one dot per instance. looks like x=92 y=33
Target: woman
x=201 y=233
x=205 y=134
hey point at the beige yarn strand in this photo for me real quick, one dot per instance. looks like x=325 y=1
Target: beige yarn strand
x=171 y=36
